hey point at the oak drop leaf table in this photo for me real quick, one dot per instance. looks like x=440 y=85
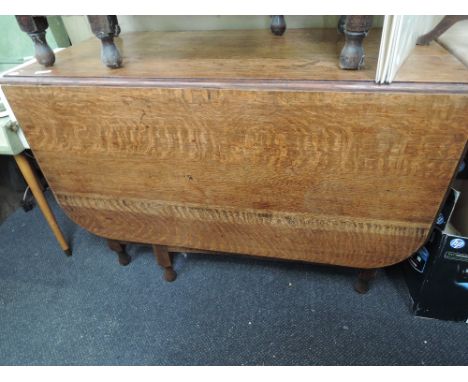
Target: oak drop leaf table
x=246 y=142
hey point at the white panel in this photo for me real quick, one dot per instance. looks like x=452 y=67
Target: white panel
x=399 y=37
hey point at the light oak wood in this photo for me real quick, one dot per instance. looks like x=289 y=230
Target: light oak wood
x=212 y=54
x=262 y=157
x=432 y=64
x=299 y=55
x=340 y=178
x=36 y=189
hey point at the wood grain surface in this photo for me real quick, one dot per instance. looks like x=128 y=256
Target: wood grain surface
x=341 y=178
x=298 y=55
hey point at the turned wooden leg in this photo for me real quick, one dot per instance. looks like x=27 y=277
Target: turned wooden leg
x=440 y=28
x=119 y=248
x=105 y=28
x=278 y=25
x=355 y=29
x=341 y=24
x=164 y=259
x=35 y=27
x=363 y=280
x=115 y=22
x=36 y=189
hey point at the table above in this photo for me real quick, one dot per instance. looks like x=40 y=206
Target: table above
x=299 y=55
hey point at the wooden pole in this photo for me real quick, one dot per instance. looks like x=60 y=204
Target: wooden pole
x=34 y=185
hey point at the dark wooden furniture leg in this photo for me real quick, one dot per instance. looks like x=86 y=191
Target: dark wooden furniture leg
x=164 y=260
x=35 y=27
x=440 y=28
x=105 y=29
x=363 y=280
x=355 y=29
x=115 y=21
x=341 y=24
x=278 y=25
x=117 y=246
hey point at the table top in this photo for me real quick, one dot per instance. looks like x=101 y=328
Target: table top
x=236 y=56
x=340 y=178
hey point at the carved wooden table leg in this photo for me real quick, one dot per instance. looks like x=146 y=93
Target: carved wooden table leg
x=115 y=21
x=36 y=189
x=105 y=28
x=440 y=28
x=341 y=24
x=117 y=246
x=363 y=280
x=278 y=25
x=35 y=27
x=355 y=29
x=164 y=260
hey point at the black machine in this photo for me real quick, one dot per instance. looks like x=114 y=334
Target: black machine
x=437 y=275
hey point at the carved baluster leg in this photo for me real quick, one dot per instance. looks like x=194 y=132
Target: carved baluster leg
x=278 y=25
x=115 y=22
x=164 y=260
x=341 y=24
x=355 y=29
x=119 y=248
x=363 y=280
x=105 y=28
x=440 y=28
x=35 y=27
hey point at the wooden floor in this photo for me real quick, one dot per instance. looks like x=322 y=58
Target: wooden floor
x=244 y=142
